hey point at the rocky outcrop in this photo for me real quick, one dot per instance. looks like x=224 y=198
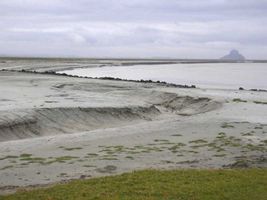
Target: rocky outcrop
x=234 y=55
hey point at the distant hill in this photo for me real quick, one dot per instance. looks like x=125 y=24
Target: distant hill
x=234 y=55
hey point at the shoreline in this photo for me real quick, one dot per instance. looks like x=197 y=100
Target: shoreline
x=160 y=83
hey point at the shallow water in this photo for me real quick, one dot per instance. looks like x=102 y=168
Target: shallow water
x=211 y=75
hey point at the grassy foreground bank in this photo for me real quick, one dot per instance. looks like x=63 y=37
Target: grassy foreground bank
x=154 y=184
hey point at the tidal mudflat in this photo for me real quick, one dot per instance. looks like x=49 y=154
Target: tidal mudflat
x=57 y=128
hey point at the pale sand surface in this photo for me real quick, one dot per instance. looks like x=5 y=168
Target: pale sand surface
x=75 y=128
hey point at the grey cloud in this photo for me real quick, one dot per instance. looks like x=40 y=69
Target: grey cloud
x=130 y=28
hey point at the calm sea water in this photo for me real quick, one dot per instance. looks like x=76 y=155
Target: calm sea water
x=212 y=75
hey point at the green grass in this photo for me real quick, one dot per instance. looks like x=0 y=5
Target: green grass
x=73 y=148
x=8 y=157
x=260 y=102
x=247 y=134
x=7 y=167
x=62 y=159
x=239 y=100
x=33 y=159
x=25 y=155
x=226 y=125
x=130 y=157
x=198 y=141
x=177 y=135
x=152 y=184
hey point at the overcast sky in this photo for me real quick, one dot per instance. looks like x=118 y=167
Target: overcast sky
x=133 y=28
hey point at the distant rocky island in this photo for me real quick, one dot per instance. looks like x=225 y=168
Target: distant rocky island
x=234 y=55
